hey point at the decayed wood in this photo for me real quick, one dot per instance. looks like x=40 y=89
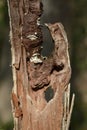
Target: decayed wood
x=40 y=84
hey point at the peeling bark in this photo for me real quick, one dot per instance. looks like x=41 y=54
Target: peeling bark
x=39 y=83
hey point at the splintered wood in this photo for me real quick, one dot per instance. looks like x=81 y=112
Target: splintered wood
x=41 y=91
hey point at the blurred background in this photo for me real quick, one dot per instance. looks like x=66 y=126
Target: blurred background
x=72 y=14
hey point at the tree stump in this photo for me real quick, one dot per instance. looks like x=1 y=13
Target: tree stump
x=41 y=91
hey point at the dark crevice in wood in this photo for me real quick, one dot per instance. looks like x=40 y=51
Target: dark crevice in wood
x=47 y=44
x=57 y=68
x=39 y=87
x=49 y=93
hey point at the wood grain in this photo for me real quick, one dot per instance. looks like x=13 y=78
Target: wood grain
x=39 y=84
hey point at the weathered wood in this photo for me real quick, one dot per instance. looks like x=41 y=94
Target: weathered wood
x=39 y=83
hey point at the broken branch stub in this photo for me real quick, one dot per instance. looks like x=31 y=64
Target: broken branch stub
x=39 y=83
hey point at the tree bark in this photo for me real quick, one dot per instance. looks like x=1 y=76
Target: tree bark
x=40 y=95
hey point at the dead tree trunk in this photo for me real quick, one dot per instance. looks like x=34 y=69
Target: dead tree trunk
x=40 y=95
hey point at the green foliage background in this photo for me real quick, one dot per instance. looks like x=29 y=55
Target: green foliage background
x=73 y=15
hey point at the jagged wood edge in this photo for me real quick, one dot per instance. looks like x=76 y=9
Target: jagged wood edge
x=14 y=89
x=70 y=112
x=67 y=108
